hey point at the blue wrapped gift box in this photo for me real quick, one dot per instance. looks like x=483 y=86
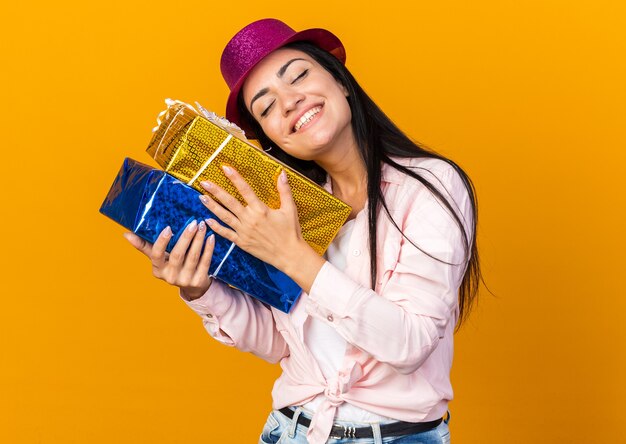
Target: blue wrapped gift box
x=146 y=200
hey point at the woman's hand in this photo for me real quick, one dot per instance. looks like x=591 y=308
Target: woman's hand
x=187 y=266
x=274 y=236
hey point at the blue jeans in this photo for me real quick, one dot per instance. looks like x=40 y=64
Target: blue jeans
x=281 y=430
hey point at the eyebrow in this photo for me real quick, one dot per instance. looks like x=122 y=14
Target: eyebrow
x=279 y=74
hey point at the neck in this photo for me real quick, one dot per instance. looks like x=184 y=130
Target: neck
x=347 y=172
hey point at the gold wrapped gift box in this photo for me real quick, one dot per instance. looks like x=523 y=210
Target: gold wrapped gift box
x=193 y=147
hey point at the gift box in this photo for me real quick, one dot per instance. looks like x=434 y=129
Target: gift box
x=193 y=147
x=146 y=200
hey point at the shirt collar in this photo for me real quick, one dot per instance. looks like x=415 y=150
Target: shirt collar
x=391 y=175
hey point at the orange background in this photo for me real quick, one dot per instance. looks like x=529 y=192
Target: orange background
x=529 y=97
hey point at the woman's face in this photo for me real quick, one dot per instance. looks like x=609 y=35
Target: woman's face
x=299 y=105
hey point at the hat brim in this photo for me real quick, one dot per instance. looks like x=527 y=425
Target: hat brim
x=319 y=37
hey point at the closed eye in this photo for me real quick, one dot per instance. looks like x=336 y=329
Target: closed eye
x=267 y=110
x=303 y=74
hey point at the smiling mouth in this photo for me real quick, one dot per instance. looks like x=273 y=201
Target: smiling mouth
x=306 y=118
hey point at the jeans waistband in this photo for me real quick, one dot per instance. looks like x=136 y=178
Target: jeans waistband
x=338 y=431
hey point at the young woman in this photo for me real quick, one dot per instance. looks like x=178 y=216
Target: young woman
x=367 y=350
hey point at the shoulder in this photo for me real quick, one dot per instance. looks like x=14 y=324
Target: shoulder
x=454 y=194
x=439 y=173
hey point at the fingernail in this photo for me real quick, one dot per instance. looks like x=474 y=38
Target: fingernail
x=228 y=170
x=201 y=226
x=206 y=185
x=192 y=226
x=210 y=222
x=212 y=239
x=283 y=176
x=204 y=199
x=167 y=232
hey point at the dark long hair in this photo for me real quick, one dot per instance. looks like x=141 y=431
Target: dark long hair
x=379 y=139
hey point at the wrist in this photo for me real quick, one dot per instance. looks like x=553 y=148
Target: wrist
x=302 y=264
x=193 y=293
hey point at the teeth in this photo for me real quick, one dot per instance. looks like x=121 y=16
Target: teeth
x=306 y=117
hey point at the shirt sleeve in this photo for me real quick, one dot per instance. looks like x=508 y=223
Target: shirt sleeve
x=402 y=325
x=238 y=320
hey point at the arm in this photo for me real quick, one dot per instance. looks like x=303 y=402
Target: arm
x=237 y=320
x=229 y=315
x=402 y=325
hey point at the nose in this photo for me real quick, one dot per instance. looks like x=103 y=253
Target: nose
x=290 y=100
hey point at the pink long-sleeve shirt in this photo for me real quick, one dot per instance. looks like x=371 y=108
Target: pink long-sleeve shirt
x=400 y=336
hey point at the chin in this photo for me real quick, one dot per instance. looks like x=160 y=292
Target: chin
x=319 y=140
x=316 y=142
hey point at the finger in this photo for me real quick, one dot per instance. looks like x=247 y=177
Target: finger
x=225 y=198
x=178 y=253
x=158 y=256
x=242 y=186
x=139 y=243
x=221 y=230
x=284 y=191
x=193 y=254
x=205 y=261
x=220 y=212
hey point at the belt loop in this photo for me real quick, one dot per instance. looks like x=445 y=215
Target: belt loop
x=378 y=439
x=294 y=422
x=447 y=420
